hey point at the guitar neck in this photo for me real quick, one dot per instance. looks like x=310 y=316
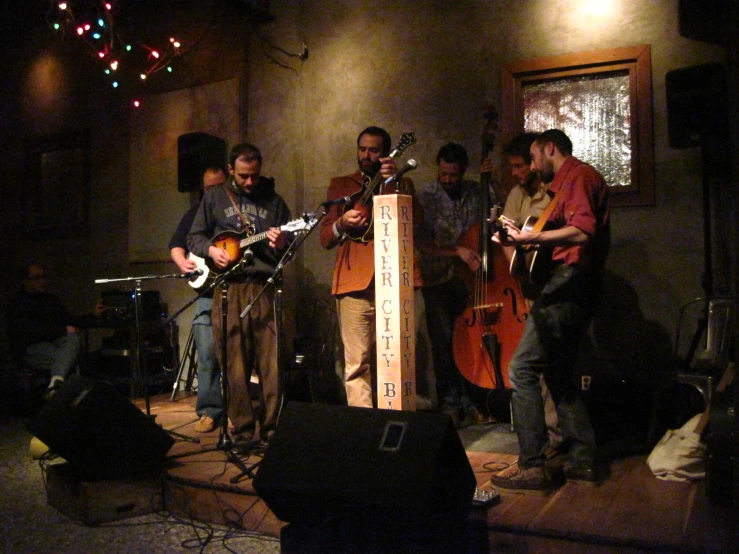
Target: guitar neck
x=292 y=226
x=248 y=241
x=367 y=194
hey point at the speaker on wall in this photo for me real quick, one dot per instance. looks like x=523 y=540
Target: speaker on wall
x=706 y=20
x=696 y=104
x=327 y=460
x=100 y=432
x=196 y=151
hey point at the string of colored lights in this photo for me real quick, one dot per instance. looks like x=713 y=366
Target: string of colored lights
x=94 y=23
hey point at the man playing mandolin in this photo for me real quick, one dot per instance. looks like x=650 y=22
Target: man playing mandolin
x=350 y=229
x=247 y=203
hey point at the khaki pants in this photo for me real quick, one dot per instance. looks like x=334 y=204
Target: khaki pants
x=251 y=346
x=357 y=326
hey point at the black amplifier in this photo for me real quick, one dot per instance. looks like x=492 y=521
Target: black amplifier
x=118 y=305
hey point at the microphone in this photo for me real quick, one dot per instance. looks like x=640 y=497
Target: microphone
x=345 y=201
x=248 y=256
x=410 y=165
x=189 y=274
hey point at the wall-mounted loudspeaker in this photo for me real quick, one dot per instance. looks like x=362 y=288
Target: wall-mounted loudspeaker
x=326 y=460
x=100 y=432
x=195 y=152
x=706 y=20
x=696 y=105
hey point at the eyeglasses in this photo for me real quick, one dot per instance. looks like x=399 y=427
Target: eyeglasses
x=36 y=278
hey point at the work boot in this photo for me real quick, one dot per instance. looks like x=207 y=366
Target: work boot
x=205 y=425
x=533 y=481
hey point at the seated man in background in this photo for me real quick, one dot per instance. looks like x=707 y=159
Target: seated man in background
x=42 y=334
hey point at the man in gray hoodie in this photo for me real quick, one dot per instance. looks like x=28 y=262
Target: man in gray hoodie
x=245 y=205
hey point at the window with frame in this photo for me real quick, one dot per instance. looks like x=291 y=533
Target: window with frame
x=602 y=101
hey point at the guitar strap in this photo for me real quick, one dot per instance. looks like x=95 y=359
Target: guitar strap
x=544 y=217
x=245 y=223
x=246 y=226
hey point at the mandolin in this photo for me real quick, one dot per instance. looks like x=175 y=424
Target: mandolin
x=363 y=201
x=234 y=243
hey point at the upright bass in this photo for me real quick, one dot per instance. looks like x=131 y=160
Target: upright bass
x=487 y=333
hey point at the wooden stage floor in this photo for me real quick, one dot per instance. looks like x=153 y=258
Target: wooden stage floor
x=632 y=511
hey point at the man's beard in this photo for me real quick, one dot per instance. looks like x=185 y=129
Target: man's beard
x=370 y=169
x=528 y=182
x=546 y=174
x=453 y=190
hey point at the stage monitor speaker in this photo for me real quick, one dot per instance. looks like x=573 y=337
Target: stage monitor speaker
x=326 y=461
x=696 y=105
x=196 y=151
x=100 y=432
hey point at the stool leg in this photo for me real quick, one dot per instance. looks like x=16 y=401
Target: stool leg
x=192 y=367
x=192 y=370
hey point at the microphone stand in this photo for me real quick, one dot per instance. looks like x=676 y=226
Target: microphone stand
x=139 y=368
x=224 y=438
x=275 y=280
x=311 y=220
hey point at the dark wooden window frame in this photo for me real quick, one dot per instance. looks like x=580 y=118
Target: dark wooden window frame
x=637 y=61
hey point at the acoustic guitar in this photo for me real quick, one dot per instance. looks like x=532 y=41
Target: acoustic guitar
x=531 y=264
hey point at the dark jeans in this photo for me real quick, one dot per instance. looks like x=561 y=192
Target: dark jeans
x=60 y=357
x=549 y=345
x=444 y=303
x=209 y=401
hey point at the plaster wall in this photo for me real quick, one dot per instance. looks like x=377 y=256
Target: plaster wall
x=427 y=66
x=431 y=67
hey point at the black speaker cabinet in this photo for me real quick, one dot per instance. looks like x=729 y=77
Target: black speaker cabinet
x=706 y=20
x=120 y=305
x=100 y=432
x=196 y=151
x=326 y=460
x=696 y=105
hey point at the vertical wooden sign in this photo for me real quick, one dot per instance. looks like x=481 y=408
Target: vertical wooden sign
x=394 y=302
